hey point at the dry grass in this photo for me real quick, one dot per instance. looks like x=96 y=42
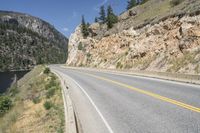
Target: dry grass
x=29 y=117
x=144 y=62
x=154 y=11
x=197 y=69
x=178 y=63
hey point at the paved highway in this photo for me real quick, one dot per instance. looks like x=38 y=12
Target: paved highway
x=116 y=103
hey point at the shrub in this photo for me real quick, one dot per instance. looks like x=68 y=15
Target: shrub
x=88 y=55
x=80 y=46
x=175 y=2
x=5 y=104
x=36 y=100
x=13 y=90
x=46 y=70
x=47 y=105
x=119 y=65
x=51 y=84
x=50 y=92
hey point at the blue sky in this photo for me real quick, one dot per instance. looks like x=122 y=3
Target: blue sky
x=65 y=15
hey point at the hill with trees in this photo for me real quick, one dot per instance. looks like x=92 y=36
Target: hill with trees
x=26 y=41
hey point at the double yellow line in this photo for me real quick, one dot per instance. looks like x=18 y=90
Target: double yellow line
x=186 y=106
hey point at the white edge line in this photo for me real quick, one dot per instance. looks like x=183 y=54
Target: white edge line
x=153 y=78
x=96 y=108
x=64 y=98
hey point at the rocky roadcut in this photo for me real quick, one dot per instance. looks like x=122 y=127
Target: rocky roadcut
x=169 y=45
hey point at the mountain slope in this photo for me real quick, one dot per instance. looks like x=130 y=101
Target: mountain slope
x=26 y=41
x=155 y=36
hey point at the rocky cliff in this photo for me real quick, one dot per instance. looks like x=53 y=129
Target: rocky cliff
x=26 y=41
x=167 y=39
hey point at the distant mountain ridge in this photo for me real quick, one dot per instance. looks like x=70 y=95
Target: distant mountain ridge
x=26 y=41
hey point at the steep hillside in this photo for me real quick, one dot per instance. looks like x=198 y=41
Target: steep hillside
x=33 y=105
x=154 y=36
x=26 y=41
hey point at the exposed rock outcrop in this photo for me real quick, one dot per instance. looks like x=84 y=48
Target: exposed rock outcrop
x=169 y=45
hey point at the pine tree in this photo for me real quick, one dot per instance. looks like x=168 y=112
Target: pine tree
x=131 y=3
x=102 y=14
x=111 y=17
x=84 y=28
x=96 y=20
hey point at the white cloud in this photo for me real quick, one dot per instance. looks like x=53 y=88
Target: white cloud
x=96 y=8
x=65 y=29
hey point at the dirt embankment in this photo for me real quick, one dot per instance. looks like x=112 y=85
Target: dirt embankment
x=37 y=104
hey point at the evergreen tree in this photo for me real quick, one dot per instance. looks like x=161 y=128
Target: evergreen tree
x=111 y=17
x=88 y=25
x=102 y=14
x=84 y=27
x=96 y=20
x=131 y=3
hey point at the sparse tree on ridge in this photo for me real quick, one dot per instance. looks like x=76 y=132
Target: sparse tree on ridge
x=102 y=14
x=84 y=27
x=111 y=17
x=96 y=20
x=131 y=4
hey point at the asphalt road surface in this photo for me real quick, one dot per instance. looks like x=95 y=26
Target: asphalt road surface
x=108 y=102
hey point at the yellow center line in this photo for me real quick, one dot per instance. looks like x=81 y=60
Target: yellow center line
x=186 y=106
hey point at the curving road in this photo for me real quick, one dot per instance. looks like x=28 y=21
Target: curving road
x=108 y=102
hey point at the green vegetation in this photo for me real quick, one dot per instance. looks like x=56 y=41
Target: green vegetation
x=96 y=20
x=88 y=55
x=119 y=65
x=111 y=17
x=102 y=14
x=39 y=98
x=144 y=1
x=144 y=62
x=51 y=92
x=80 y=46
x=22 y=48
x=14 y=90
x=131 y=4
x=5 y=104
x=175 y=2
x=48 y=105
x=178 y=63
x=46 y=70
x=51 y=83
x=36 y=100
x=84 y=28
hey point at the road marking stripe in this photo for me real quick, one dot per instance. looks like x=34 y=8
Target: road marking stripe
x=187 y=106
x=150 y=78
x=96 y=108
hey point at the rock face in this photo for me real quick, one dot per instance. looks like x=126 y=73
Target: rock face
x=172 y=45
x=26 y=41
